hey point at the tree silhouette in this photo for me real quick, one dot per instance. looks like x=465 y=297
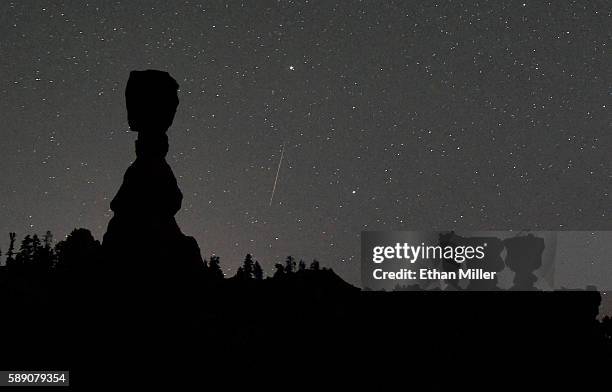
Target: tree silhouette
x=240 y=273
x=25 y=256
x=302 y=266
x=44 y=257
x=315 y=266
x=248 y=266
x=79 y=251
x=47 y=258
x=289 y=265
x=36 y=254
x=11 y=250
x=257 y=271
x=247 y=270
x=214 y=268
x=280 y=270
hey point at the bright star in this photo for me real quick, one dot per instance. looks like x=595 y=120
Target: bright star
x=291 y=68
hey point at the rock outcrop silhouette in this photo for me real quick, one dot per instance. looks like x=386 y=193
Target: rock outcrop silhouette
x=143 y=235
x=524 y=257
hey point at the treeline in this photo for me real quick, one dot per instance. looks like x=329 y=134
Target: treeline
x=80 y=251
x=36 y=255
x=251 y=269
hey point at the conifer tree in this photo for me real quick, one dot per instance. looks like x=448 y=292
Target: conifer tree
x=248 y=266
x=26 y=252
x=280 y=271
x=46 y=256
x=257 y=271
x=214 y=268
x=10 y=260
x=289 y=265
x=315 y=266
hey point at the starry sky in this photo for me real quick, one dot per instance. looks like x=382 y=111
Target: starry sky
x=393 y=116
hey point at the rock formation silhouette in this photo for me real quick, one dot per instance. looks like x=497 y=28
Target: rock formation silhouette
x=143 y=235
x=449 y=239
x=492 y=261
x=524 y=258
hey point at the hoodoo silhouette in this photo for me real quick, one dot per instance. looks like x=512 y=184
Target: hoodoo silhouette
x=524 y=257
x=143 y=235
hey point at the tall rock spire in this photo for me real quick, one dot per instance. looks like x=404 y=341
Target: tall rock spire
x=143 y=235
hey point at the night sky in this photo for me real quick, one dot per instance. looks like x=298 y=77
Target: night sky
x=469 y=115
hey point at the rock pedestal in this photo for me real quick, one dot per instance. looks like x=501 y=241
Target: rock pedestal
x=143 y=237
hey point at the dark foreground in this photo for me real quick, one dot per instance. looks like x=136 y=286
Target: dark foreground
x=302 y=329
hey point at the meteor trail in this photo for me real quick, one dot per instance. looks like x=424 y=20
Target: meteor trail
x=277 y=171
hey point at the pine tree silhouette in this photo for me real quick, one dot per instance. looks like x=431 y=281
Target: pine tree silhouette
x=36 y=253
x=11 y=250
x=315 y=265
x=289 y=265
x=25 y=256
x=246 y=271
x=80 y=251
x=257 y=271
x=280 y=270
x=214 y=268
x=240 y=273
x=46 y=257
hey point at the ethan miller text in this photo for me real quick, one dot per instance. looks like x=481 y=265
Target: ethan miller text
x=434 y=274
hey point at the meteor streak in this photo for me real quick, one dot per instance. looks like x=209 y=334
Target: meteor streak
x=277 y=171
